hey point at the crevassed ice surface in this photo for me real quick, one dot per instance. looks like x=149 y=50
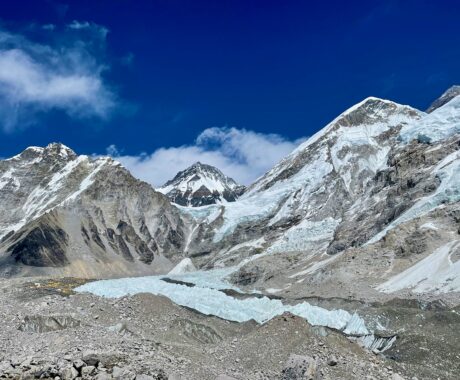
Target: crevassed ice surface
x=255 y=206
x=214 y=302
x=301 y=236
x=438 y=125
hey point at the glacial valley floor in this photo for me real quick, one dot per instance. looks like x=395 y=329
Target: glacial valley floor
x=49 y=332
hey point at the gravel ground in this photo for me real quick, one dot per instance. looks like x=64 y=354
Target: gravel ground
x=49 y=332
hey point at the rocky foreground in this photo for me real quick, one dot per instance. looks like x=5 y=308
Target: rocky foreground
x=50 y=332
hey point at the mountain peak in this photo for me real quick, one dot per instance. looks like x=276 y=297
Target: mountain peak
x=372 y=110
x=201 y=184
x=59 y=149
x=445 y=98
x=53 y=150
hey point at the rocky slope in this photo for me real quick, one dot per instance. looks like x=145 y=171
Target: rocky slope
x=444 y=98
x=371 y=194
x=200 y=185
x=68 y=214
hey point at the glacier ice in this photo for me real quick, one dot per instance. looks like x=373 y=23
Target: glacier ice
x=211 y=301
x=438 y=125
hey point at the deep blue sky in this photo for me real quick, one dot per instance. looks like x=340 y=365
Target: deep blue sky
x=285 y=67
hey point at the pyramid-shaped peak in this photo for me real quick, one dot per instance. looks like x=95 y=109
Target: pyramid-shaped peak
x=201 y=184
x=372 y=110
x=373 y=103
x=59 y=147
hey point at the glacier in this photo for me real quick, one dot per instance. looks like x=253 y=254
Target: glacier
x=438 y=125
x=206 y=298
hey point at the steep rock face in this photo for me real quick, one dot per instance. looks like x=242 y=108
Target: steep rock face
x=63 y=213
x=200 y=185
x=444 y=98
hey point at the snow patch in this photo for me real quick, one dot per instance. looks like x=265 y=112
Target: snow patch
x=435 y=273
x=438 y=125
x=184 y=266
x=300 y=237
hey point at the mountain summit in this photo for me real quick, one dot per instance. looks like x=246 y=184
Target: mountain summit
x=200 y=185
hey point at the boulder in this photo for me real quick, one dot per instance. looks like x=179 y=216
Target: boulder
x=300 y=367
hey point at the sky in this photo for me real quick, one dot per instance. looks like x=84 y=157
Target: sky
x=161 y=84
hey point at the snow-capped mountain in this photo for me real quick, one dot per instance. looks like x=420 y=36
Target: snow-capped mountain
x=200 y=185
x=380 y=179
x=373 y=194
x=67 y=214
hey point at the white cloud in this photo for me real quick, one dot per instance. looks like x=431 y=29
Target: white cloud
x=66 y=76
x=239 y=153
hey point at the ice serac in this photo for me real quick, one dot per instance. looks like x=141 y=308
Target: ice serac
x=200 y=185
x=66 y=214
x=210 y=301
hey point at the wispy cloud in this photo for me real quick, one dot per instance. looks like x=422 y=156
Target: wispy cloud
x=241 y=154
x=89 y=26
x=65 y=74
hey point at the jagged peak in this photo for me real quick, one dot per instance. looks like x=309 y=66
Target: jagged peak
x=451 y=93
x=200 y=165
x=59 y=148
x=51 y=150
x=201 y=184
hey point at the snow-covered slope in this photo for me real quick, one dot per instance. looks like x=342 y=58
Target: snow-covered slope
x=437 y=273
x=379 y=167
x=63 y=213
x=318 y=181
x=201 y=184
